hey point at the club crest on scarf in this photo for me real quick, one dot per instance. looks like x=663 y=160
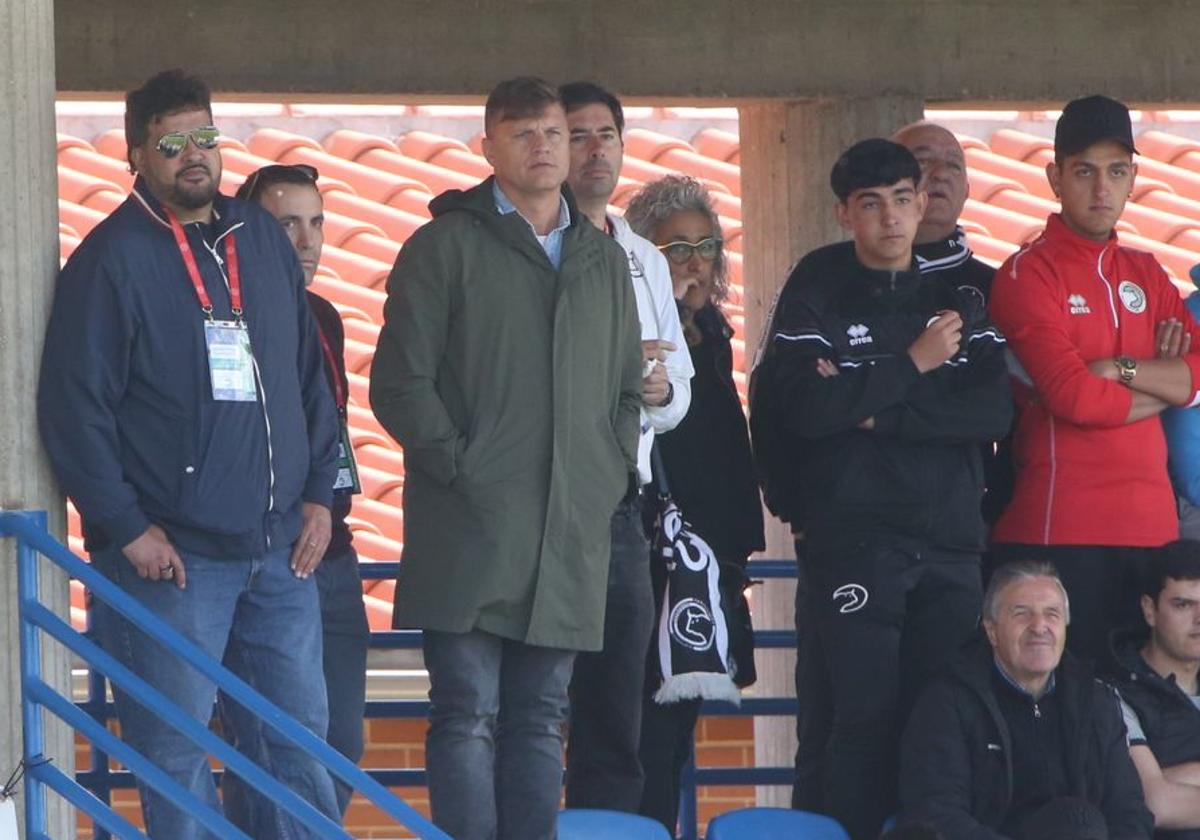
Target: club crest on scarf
x=693 y=638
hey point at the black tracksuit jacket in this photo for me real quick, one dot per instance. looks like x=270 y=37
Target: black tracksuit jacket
x=917 y=474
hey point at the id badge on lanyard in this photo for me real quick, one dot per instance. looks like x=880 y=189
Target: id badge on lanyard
x=230 y=363
x=230 y=359
x=346 y=482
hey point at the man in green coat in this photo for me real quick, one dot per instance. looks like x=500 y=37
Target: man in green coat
x=509 y=368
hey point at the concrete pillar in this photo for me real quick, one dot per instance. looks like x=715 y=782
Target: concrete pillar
x=28 y=265
x=787 y=150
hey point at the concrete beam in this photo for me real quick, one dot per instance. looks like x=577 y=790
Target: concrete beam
x=976 y=51
x=29 y=243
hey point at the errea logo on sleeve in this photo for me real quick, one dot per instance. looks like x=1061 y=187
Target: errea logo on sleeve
x=1079 y=305
x=859 y=334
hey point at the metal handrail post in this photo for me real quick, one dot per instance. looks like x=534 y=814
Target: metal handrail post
x=31 y=668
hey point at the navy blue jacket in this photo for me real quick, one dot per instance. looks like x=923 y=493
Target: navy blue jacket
x=125 y=404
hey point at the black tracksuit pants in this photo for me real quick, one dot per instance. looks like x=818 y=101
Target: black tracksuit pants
x=877 y=617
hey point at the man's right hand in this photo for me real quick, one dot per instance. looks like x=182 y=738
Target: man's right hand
x=155 y=558
x=938 y=343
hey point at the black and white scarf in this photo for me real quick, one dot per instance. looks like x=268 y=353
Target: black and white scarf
x=692 y=637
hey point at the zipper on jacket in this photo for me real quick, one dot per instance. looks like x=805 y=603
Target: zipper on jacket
x=1037 y=712
x=1112 y=306
x=262 y=391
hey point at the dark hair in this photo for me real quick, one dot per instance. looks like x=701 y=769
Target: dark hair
x=166 y=93
x=519 y=98
x=873 y=163
x=1007 y=574
x=1179 y=560
x=268 y=176
x=577 y=94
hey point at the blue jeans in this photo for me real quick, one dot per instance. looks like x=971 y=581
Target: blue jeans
x=345 y=639
x=273 y=618
x=494 y=748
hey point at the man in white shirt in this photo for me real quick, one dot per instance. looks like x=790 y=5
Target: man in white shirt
x=603 y=770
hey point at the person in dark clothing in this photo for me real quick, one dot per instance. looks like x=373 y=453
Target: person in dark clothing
x=1017 y=740
x=877 y=386
x=941 y=248
x=290 y=194
x=1155 y=672
x=183 y=405
x=706 y=458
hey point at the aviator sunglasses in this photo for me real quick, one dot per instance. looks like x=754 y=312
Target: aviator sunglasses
x=172 y=144
x=680 y=251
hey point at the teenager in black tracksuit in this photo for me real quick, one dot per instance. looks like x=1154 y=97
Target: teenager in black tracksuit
x=878 y=463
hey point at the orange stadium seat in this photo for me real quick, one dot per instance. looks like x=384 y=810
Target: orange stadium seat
x=359 y=389
x=88 y=190
x=81 y=219
x=371 y=546
x=718 y=145
x=358 y=356
x=991 y=250
x=985 y=184
x=1007 y=225
x=1032 y=178
x=87 y=161
x=112 y=144
x=1183 y=181
x=1178 y=151
x=1020 y=146
x=390 y=461
x=363 y=298
x=407 y=212
x=358 y=270
x=388 y=519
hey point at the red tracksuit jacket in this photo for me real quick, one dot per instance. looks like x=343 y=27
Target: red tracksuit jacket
x=1084 y=476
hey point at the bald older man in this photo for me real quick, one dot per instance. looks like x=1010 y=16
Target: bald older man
x=941 y=245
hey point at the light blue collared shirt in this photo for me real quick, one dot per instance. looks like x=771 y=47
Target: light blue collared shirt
x=552 y=242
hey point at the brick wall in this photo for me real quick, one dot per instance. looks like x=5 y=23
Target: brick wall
x=400 y=743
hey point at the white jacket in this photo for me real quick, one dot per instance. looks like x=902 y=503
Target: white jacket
x=660 y=320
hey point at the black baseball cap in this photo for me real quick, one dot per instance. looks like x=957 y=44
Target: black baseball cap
x=1089 y=120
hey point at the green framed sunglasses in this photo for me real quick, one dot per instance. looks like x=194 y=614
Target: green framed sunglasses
x=680 y=251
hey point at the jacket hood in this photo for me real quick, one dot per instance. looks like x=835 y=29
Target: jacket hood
x=1125 y=649
x=480 y=200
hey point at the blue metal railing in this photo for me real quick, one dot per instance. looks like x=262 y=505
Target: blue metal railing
x=94 y=786
x=29 y=528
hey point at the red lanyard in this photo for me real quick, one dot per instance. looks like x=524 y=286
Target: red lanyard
x=189 y=260
x=338 y=394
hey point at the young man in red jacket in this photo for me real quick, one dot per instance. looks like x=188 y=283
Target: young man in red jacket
x=1101 y=343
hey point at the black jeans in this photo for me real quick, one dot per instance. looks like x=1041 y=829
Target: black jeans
x=1103 y=582
x=603 y=769
x=881 y=617
x=666 y=746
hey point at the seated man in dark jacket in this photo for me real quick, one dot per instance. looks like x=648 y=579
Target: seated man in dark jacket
x=1156 y=677
x=1017 y=740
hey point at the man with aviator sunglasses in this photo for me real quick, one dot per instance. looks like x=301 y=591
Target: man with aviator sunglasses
x=183 y=405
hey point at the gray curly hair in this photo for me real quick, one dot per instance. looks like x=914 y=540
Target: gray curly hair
x=658 y=200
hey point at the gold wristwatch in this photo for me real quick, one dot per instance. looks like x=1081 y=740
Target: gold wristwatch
x=1126 y=368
